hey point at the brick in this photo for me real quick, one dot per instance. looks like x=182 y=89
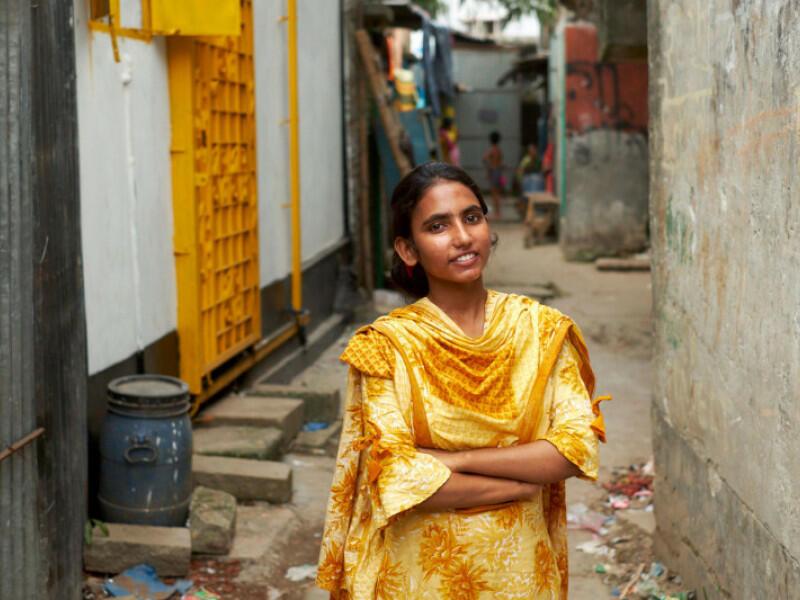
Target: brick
x=257 y=411
x=318 y=405
x=244 y=478
x=212 y=519
x=258 y=443
x=168 y=549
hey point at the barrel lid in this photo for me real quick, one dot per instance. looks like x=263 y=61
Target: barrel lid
x=147 y=390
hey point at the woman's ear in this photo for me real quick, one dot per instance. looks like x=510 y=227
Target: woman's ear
x=406 y=251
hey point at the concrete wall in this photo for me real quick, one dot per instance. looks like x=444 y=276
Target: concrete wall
x=480 y=67
x=725 y=148
x=125 y=189
x=605 y=157
x=319 y=89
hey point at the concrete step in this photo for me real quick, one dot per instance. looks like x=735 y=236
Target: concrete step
x=318 y=404
x=256 y=411
x=262 y=531
x=291 y=361
x=239 y=441
x=168 y=549
x=244 y=478
x=322 y=441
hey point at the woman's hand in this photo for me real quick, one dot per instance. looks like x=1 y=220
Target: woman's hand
x=529 y=490
x=450 y=459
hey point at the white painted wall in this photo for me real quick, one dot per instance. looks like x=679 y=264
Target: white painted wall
x=319 y=83
x=126 y=194
x=272 y=138
x=321 y=177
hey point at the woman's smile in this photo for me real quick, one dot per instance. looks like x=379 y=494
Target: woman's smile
x=467 y=259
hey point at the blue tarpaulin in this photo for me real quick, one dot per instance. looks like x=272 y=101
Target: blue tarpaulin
x=142 y=582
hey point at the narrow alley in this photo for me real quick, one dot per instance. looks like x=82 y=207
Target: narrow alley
x=202 y=202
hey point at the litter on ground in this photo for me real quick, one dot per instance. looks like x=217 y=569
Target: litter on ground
x=142 y=583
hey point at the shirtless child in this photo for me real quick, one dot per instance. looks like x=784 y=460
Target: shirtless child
x=493 y=159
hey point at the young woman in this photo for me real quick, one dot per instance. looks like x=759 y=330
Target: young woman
x=465 y=413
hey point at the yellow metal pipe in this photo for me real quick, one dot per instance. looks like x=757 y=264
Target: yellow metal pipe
x=294 y=159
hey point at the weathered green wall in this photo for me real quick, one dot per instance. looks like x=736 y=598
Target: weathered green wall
x=725 y=218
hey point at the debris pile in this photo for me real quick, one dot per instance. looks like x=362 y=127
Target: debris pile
x=622 y=548
x=632 y=489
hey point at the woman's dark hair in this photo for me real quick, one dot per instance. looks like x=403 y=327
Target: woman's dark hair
x=494 y=137
x=405 y=197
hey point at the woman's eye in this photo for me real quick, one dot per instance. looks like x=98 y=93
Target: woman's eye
x=473 y=218
x=436 y=227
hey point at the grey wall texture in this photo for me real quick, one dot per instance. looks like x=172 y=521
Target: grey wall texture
x=725 y=218
x=607 y=185
x=484 y=107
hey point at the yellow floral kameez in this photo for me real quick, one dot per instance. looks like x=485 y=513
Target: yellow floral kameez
x=417 y=380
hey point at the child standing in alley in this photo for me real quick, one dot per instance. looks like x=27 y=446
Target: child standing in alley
x=448 y=139
x=493 y=159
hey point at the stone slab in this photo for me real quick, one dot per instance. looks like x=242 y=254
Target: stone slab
x=318 y=442
x=256 y=411
x=622 y=264
x=318 y=404
x=239 y=441
x=261 y=528
x=212 y=519
x=244 y=478
x=168 y=549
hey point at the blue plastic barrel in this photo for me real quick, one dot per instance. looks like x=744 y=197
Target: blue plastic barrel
x=146 y=452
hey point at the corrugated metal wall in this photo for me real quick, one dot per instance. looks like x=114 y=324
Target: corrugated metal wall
x=484 y=108
x=20 y=558
x=480 y=112
x=42 y=326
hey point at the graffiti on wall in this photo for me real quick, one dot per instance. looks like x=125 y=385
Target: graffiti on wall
x=602 y=95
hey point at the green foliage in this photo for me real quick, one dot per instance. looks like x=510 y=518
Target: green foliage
x=545 y=10
x=88 y=530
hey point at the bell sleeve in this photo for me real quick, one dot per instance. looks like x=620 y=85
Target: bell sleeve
x=400 y=477
x=571 y=417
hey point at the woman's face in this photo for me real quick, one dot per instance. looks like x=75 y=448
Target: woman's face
x=451 y=236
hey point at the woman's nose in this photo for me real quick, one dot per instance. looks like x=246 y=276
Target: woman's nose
x=461 y=235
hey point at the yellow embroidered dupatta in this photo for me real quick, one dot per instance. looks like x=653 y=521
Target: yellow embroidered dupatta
x=422 y=348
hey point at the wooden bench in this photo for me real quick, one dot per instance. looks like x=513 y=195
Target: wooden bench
x=539 y=224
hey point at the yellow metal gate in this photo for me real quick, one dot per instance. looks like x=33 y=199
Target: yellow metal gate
x=212 y=102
